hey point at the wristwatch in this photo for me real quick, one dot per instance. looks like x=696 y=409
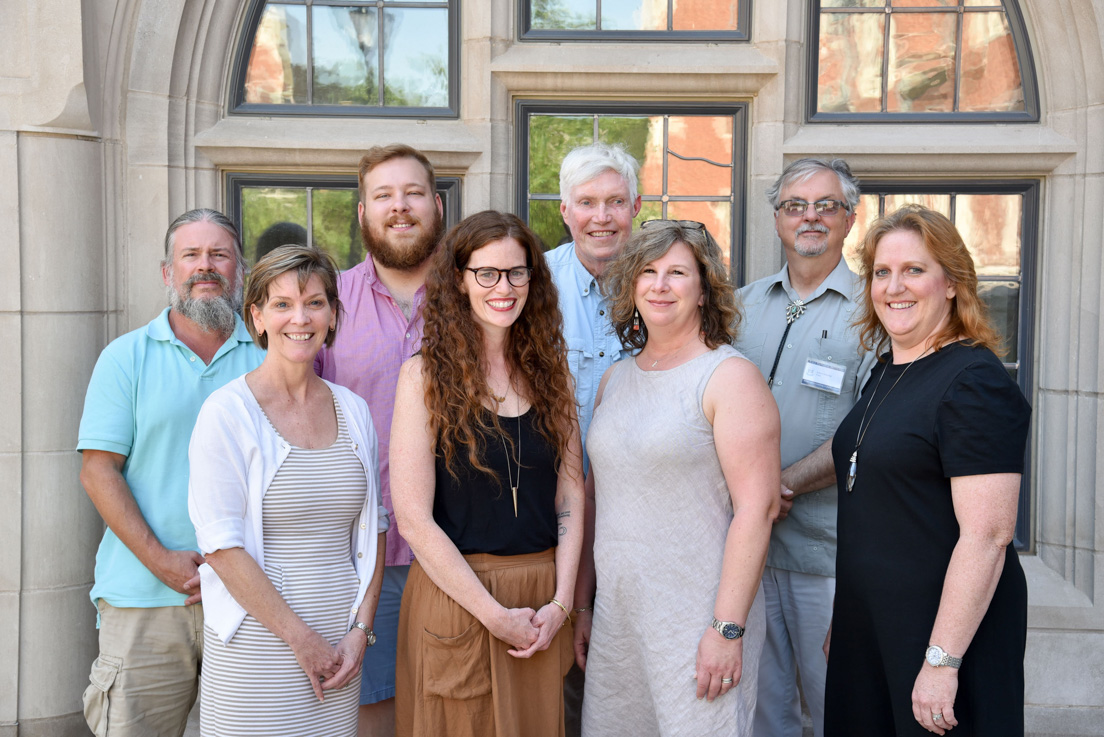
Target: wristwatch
x=367 y=632
x=937 y=656
x=728 y=630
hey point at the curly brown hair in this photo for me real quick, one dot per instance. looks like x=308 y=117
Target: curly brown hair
x=720 y=313
x=453 y=360
x=969 y=318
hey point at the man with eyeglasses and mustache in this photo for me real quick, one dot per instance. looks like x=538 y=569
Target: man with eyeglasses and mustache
x=401 y=222
x=798 y=331
x=142 y=402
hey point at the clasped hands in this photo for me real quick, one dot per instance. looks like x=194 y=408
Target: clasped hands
x=528 y=631
x=329 y=667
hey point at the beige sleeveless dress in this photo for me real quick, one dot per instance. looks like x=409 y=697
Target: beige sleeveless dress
x=662 y=516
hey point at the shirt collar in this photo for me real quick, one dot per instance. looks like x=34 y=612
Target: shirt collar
x=840 y=280
x=160 y=329
x=583 y=278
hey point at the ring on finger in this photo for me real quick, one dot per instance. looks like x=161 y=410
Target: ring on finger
x=936 y=717
x=726 y=680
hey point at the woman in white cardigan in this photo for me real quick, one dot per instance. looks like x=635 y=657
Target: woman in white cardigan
x=284 y=495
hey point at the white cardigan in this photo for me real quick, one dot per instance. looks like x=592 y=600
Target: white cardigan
x=234 y=455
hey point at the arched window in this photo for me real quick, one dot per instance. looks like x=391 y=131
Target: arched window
x=348 y=57
x=919 y=61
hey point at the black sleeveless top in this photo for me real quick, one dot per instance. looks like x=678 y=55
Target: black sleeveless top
x=477 y=512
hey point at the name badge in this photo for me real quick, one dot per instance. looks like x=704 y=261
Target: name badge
x=823 y=375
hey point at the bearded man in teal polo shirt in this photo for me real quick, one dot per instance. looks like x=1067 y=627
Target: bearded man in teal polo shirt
x=141 y=405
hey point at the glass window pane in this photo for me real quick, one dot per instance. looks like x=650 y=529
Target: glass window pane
x=924 y=3
x=716 y=216
x=335 y=225
x=545 y=220
x=990 y=70
x=277 y=71
x=698 y=16
x=577 y=15
x=649 y=210
x=415 y=57
x=550 y=139
x=984 y=3
x=990 y=227
x=850 y=73
x=941 y=203
x=633 y=15
x=271 y=210
x=633 y=133
x=921 y=62
x=865 y=214
x=345 y=55
x=699 y=138
x=1003 y=300
x=852 y=3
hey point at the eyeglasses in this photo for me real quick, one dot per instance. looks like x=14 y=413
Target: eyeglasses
x=688 y=224
x=797 y=208
x=487 y=276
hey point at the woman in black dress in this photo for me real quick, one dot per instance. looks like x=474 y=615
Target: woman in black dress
x=930 y=616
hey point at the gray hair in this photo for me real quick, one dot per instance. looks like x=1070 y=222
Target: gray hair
x=586 y=163
x=202 y=215
x=802 y=169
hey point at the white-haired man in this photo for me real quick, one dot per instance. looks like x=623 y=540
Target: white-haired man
x=598 y=201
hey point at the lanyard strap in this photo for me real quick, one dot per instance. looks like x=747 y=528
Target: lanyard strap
x=794 y=310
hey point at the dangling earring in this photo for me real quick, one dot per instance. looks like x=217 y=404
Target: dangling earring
x=636 y=320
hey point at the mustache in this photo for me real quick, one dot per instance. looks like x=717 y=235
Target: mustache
x=199 y=276
x=817 y=227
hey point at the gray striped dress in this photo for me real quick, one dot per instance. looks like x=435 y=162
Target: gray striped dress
x=253 y=685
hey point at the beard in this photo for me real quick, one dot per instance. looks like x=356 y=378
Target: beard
x=213 y=314
x=403 y=259
x=814 y=249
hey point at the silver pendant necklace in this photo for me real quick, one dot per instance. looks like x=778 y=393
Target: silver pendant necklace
x=517 y=460
x=853 y=470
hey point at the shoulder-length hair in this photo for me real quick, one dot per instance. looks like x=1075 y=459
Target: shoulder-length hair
x=453 y=360
x=305 y=261
x=969 y=318
x=720 y=314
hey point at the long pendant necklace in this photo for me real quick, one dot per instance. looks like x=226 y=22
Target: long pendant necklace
x=794 y=310
x=517 y=460
x=861 y=434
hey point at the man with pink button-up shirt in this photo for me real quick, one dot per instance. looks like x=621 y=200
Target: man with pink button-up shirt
x=401 y=222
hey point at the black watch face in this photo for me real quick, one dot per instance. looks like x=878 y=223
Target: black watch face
x=730 y=631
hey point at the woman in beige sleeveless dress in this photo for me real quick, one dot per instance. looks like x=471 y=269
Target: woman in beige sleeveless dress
x=684 y=483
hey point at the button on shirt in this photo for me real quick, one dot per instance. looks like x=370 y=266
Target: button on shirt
x=592 y=346
x=373 y=339
x=806 y=540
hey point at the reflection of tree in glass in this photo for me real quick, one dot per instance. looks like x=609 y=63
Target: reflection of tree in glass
x=280 y=234
x=336 y=230
x=334 y=83
x=431 y=90
x=553 y=14
x=261 y=207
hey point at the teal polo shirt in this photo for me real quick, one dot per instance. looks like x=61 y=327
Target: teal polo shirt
x=142 y=402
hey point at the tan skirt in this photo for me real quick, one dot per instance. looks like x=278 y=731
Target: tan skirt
x=454 y=678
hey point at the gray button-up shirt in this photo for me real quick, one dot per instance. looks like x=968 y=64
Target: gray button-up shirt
x=806 y=540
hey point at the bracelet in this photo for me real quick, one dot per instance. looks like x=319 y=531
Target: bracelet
x=561 y=606
x=581 y=609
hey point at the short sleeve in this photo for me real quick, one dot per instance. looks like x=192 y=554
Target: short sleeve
x=218 y=483
x=982 y=423
x=108 y=419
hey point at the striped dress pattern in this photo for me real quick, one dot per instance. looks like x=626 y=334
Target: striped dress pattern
x=253 y=685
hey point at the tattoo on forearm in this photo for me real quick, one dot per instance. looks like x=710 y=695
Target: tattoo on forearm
x=562 y=516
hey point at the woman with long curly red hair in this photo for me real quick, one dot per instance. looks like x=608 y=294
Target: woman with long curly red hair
x=487 y=485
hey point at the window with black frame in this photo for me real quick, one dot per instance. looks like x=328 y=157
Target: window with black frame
x=635 y=20
x=348 y=57
x=919 y=61
x=276 y=210
x=692 y=159
x=998 y=221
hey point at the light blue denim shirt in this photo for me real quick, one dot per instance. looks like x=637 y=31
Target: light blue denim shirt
x=592 y=346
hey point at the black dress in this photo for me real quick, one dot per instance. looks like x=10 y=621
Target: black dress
x=954 y=413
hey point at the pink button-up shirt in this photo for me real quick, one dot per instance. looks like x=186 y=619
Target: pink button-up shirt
x=373 y=340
